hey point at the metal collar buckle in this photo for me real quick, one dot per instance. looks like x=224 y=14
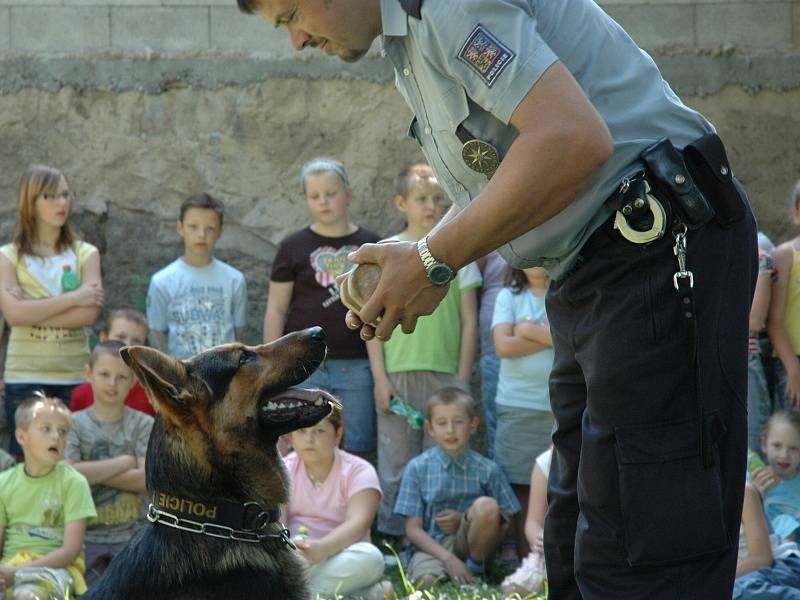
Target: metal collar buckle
x=223 y=532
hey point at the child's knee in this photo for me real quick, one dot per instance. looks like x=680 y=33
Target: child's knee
x=485 y=510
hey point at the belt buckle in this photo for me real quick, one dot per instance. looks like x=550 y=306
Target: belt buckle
x=656 y=230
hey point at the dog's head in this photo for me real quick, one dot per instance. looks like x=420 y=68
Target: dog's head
x=221 y=412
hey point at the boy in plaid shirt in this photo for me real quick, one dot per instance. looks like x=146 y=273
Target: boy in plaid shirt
x=457 y=503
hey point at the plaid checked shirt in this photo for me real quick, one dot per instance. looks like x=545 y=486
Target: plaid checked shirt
x=434 y=481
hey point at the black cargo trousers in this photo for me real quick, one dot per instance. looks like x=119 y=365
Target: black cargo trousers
x=637 y=508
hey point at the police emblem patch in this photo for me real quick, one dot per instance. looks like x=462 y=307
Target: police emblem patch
x=485 y=54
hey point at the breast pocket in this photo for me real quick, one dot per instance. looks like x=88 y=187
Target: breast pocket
x=446 y=116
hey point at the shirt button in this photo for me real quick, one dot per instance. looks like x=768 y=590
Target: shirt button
x=406 y=71
x=427 y=131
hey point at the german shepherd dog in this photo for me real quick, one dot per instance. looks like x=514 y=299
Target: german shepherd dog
x=214 y=475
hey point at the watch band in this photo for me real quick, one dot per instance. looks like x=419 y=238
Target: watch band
x=433 y=268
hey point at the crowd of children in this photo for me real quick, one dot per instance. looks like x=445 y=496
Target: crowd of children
x=72 y=484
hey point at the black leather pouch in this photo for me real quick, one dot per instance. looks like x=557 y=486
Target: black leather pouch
x=671 y=177
x=708 y=164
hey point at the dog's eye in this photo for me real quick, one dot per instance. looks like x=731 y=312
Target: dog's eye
x=246 y=357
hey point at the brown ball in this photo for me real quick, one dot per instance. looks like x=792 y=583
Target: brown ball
x=359 y=286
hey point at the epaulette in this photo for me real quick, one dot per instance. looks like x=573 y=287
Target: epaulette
x=412 y=7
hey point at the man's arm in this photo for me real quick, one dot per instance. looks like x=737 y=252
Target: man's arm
x=454 y=566
x=562 y=142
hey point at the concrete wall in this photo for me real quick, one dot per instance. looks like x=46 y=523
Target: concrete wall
x=142 y=102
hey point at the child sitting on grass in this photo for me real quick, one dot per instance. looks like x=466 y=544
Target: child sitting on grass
x=44 y=504
x=457 y=503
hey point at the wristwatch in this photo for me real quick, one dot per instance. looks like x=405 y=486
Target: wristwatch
x=438 y=272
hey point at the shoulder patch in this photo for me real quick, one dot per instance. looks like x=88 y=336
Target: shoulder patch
x=485 y=54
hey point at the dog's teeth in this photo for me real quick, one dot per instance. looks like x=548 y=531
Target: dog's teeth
x=272 y=406
x=320 y=400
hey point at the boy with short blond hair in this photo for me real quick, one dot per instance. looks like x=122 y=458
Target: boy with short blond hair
x=128 y=326
x=439 y=353
x=44 y=505
x=197 y=301
x=456 y=502
x=107 y=445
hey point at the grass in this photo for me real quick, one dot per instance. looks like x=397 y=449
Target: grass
x=485 y=589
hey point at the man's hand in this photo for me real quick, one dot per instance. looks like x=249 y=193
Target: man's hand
x=448 y=520
x=457 y=570
x=404 y=292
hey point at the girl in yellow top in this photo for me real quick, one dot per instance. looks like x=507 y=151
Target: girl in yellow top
x=46 y=310
x=783 y=322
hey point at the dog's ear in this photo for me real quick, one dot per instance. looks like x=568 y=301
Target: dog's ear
x=166 y=379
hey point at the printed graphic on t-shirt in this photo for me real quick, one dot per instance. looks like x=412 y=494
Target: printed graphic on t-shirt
x=328 y=263
x=52 y=510
x=198 y=318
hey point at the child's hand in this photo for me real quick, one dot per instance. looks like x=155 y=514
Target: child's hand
x=383 y=392
x=448 y=520
x=457 y=570
x=764 y=479
x=312 y=550
x=792 y=390
x=89 y=294
x=6 y=577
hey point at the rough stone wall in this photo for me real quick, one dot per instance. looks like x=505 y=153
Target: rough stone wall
x=143 y=102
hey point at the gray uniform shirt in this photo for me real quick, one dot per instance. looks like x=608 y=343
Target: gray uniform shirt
x=471 y=62
x=119 y=513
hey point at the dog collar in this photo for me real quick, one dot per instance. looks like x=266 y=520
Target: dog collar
x=242 y=522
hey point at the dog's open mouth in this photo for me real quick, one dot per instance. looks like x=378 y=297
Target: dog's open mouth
x=295 y=408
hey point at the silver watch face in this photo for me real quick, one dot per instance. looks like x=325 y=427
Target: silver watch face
x=440 y=274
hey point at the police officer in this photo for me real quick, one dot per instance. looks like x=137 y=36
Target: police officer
x=542 y=119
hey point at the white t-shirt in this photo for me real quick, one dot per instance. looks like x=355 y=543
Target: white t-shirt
x=523 y=381
x=198 y=307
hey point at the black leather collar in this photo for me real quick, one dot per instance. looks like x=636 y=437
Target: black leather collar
x=245 y=516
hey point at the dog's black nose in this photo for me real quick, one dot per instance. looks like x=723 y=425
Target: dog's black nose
x=316 y=333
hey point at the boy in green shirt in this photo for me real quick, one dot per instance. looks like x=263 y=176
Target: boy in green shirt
x=440 y=353
x=44 y=504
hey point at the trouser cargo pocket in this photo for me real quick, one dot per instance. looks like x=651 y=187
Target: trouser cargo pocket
x=671 y=504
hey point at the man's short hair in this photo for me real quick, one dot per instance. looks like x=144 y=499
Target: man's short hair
x=26 y=411
x=129 y=314
x=404 y=181
x=107 y=348
x=204 y=200
x=450 y=395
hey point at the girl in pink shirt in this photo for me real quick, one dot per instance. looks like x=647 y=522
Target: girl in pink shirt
x=334 y=499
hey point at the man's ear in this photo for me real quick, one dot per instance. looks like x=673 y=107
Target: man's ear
x=165 y=379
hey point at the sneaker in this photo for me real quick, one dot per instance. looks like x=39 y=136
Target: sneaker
x=528 y=579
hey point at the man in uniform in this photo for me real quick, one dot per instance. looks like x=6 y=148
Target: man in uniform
x=537 y=117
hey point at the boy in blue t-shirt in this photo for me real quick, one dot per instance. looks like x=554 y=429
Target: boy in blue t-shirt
x=457 y=503
x=196 y=301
